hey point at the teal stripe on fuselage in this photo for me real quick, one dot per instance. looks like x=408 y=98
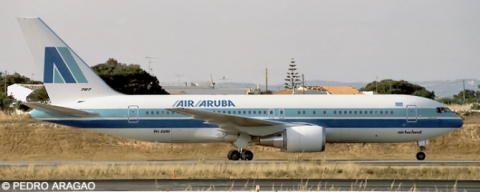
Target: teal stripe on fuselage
x=264 y=112
x=118 y=118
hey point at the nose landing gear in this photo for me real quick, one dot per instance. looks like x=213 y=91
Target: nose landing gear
x=421 y=156
x=240 y=154
x=421 y=147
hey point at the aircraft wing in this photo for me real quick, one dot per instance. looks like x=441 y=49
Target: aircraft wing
x=233 y=123
x=60 y=110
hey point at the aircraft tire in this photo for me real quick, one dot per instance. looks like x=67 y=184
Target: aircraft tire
x=230 y=154
x=421 y=156
x=247 y=155
x=234 y=155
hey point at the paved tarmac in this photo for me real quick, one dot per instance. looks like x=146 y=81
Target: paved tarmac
x=279 y=185
x=138 y=162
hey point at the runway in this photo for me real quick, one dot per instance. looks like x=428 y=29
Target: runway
x=278 y=185
x=153 y=162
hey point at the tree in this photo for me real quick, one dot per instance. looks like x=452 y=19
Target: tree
x=470 y=96
x=293 y=79
x=449 y=100
x=389 y=86
x=39 y=95
x=7 y=80
x=128 y=79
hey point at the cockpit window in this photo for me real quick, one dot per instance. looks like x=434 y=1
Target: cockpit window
x=443 y=110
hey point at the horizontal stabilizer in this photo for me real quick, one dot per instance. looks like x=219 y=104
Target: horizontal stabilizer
x=60 y=110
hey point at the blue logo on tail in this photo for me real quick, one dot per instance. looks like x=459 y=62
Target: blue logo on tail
x=60 y=67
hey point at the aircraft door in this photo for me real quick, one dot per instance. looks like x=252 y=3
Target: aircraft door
x=411 y=113
x=133 y=114
x=271 y=113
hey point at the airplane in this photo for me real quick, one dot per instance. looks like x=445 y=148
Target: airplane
x=293 y=123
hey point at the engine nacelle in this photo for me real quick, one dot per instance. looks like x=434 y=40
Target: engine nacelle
x=305 y=138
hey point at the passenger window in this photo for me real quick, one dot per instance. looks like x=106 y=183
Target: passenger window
x=340 y=112
x=334 y=112
x=303 y=112
x=249 y=112
x=281 y=112
x=151 y=112
x=376 y=112
x=324 y=112
x=147 y=112
x=370 y=112
x=244 y=112
x=345 y=112
x=314 y=112
x=259 y=112
x=360 y=112
x=163 y=112
x=223 y=111
x=254 y=112
x=381 y=112
x=355 y=112
x=158 y=112
x=168 y=112
x=264 y=112
x=391 y=112
x=229 y=112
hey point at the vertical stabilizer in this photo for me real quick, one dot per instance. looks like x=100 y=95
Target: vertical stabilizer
x=66 y=76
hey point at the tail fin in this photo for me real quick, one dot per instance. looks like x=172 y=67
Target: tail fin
x=66 y=76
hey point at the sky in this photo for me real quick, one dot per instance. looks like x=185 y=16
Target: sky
x=235 y=41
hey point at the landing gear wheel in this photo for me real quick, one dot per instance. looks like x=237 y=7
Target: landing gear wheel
x=233 y=155
x=247 y=155
x=421 y=156
x=230 y=154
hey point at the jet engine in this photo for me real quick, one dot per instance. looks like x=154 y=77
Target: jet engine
x=305 y=138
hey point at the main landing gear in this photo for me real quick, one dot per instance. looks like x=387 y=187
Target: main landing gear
x=421 y=147
x=240 y=154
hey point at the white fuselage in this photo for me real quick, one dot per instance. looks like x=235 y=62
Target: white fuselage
x=347 y=118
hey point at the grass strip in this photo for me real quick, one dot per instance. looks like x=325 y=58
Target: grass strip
x=227 y=170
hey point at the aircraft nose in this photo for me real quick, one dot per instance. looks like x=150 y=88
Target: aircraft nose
x=459 y=122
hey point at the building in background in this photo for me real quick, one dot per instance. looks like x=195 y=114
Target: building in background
x=323 y=90
x=201 y=88
x=21 y=91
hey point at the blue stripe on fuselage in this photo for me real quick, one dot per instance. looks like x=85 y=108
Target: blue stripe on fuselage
x=330 y=123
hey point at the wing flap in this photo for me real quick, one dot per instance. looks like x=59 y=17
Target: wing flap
x=60 y=110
